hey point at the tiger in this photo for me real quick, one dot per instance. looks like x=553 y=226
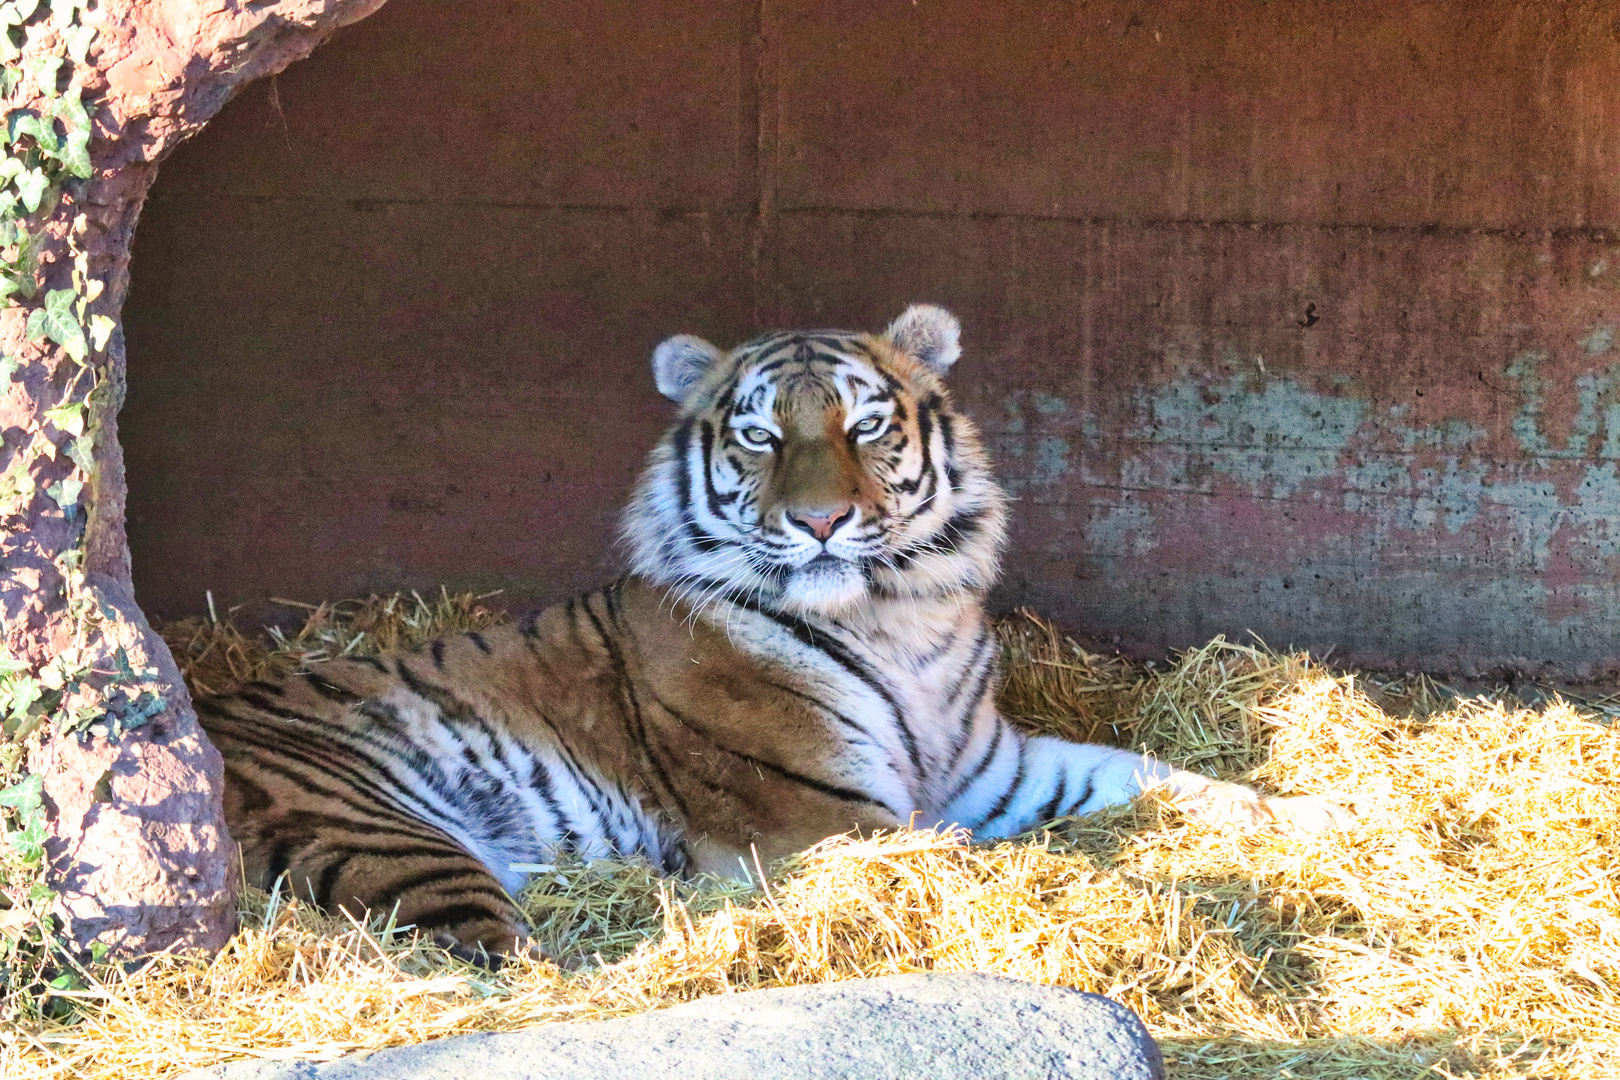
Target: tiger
x=800 y=648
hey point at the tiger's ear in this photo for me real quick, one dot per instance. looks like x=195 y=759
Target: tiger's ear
x=680 y=362
x=928 y=333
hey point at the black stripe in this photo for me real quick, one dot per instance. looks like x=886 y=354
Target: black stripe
x=451 y=914
x=1049 y=811
x=635 y=723
x=330 y=690
x=1085 y=796
x=355 y=740
x=846 y=794
x=682 y=439
x=279 y=863
x=588 y=787
x=957 y=530
x=824 y=707
x=1006 y=796
x=925 y=438
x=540 y=781
x=275 y=741
x=437 y=649
x=329 y=876
x=849 y=662
x=478 y=642
x=711 y=496
x=970 y=713
x=253 y=796
x=947 y=432
x=978 y=770
x=423 y=879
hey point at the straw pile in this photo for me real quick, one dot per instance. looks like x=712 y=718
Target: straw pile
x=1467 y=925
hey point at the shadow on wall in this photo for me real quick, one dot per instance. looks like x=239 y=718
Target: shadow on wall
x=1296 y=320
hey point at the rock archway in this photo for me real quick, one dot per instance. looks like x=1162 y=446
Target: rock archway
x=136 y=850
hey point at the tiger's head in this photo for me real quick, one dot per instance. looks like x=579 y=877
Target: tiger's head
x=816 y=471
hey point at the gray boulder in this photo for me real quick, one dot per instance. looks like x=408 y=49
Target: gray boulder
x=932 y=1027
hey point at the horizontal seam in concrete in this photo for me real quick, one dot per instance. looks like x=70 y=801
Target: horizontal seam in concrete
x=1582 y=232
x=1594 y=233
x=1255 y=496
x=1505 y=460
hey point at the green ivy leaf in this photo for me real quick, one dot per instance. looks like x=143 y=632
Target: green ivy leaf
x=70 y=107
x=79 y=452
x=62 y=11
x=42 y=129
x=57 y=321
x=24 y=692
x=133 y=713
x=9 y=76
x=66 y=492
x=75 y=155
x=75 y=150
x=68 y=417
x=8 y=368
x=25 y=795
x=78 y=42
x=29 y=841
x=31 y=186
x=44 y=69
x=16 y=486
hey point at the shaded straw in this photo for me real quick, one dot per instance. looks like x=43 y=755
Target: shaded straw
x=1468 y=924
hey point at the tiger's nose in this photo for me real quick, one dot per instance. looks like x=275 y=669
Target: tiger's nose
x=822 y=524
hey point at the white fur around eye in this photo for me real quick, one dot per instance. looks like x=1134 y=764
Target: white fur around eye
x=756 y=437
x=870 y=426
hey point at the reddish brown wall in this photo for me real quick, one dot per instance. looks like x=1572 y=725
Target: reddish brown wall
x=1292 y=317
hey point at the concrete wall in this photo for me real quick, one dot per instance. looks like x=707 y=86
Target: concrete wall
x=1296 y=317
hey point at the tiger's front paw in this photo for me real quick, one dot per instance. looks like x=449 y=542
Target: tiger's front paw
x=1308 y=814
x=1215 y=802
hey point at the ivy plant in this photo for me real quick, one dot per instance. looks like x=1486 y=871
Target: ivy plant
x=44 y=163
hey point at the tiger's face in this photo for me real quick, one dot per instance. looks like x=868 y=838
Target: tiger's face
x=817 y=471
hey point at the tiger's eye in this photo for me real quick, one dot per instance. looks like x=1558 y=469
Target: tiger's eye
x=869 y=425
x=756 y=435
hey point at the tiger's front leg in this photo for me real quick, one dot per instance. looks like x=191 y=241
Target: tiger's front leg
x=1006 y=783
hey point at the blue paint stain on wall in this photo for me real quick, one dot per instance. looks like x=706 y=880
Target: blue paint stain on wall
x=1268 y=433
x=1441 y=535
x=1599 y=341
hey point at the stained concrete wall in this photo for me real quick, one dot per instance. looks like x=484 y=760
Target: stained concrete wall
x=1295 y=317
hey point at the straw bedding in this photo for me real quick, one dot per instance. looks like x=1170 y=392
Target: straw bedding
x=1468 y=924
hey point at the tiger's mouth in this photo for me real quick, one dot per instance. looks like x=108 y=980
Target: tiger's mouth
x=827 y=583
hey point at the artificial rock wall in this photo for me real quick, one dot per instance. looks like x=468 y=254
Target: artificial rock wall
x=136 y=853
x=1292 y=317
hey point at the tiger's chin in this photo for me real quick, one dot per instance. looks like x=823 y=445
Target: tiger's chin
x=825 y=586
